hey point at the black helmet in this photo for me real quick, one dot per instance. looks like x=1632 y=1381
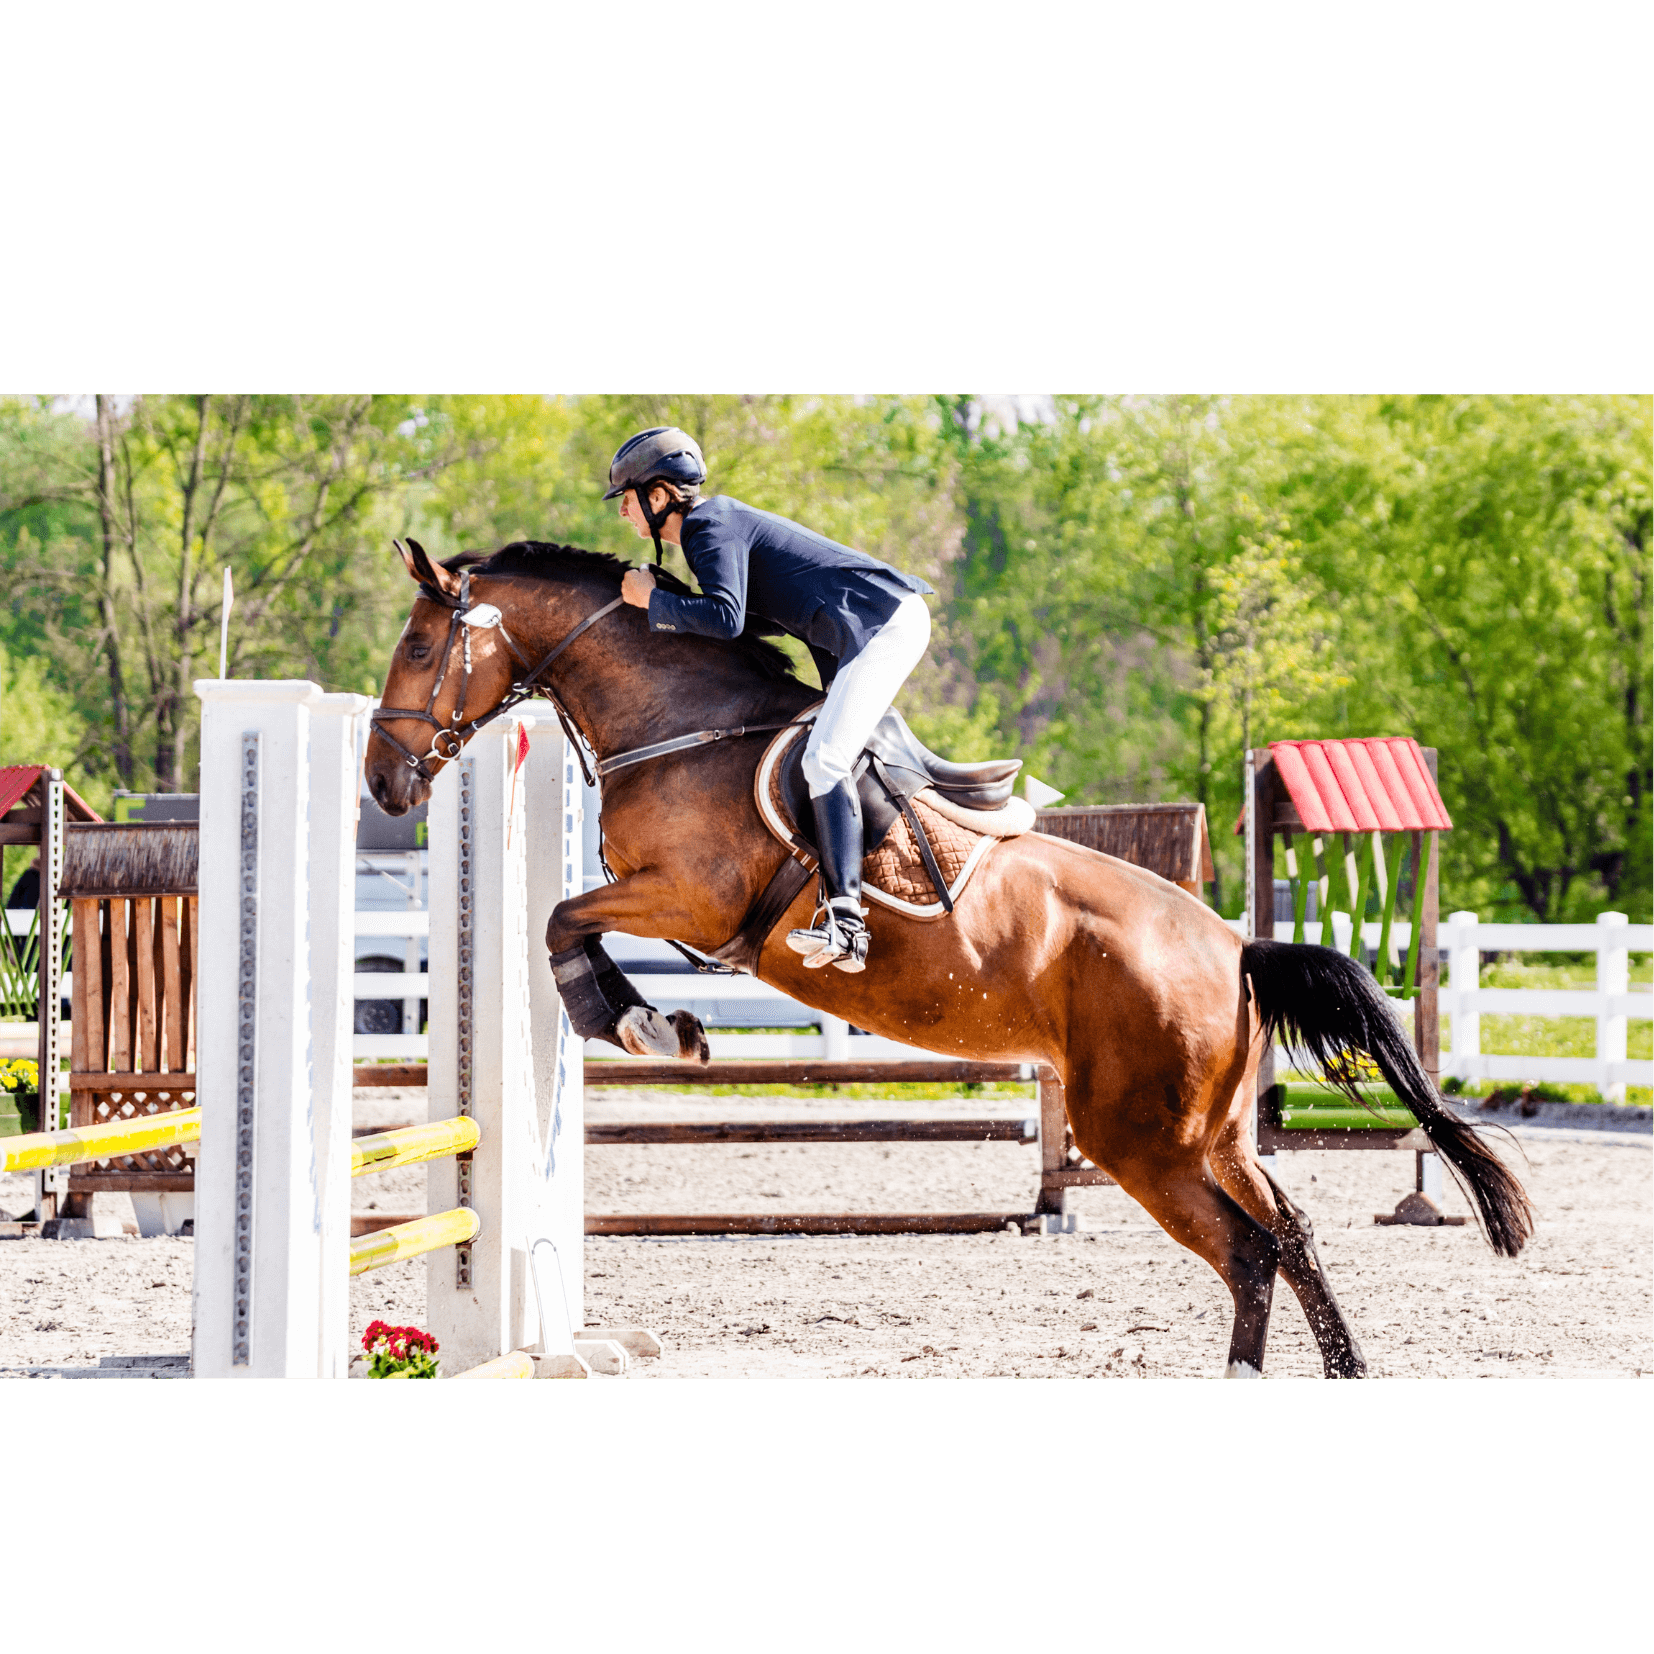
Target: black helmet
x=663 y=453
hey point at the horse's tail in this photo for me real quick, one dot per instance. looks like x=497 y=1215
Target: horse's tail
x=1320 y=1001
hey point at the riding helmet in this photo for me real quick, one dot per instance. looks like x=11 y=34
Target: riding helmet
x=663 y=453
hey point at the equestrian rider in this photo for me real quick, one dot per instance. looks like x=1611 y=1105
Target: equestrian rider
x=865 y=624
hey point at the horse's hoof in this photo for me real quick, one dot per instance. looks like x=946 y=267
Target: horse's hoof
x=692 y=1041
x=1241 y=1369
x=646 y=1033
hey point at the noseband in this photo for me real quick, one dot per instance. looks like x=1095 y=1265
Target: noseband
x=449 y=738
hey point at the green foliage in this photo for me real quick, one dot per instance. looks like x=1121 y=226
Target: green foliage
x=1130 y=589
x=19 y=1074
x=1144 y=578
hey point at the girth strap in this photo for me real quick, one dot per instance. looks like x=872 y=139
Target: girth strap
x=920 y=837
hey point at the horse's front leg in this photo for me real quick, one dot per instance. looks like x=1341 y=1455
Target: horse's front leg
x=598 y=996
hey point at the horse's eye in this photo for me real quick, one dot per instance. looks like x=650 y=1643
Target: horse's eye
x=418 y=651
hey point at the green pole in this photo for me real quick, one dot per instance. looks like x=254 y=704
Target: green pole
x=1323 y=890
x=1355 y=870
x=1381 y=966
x=1300 y=889
x=1424 y=843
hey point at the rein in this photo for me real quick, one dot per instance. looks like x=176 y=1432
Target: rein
x=682 y=743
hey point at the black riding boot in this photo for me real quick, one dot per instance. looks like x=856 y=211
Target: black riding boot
x=837 y=935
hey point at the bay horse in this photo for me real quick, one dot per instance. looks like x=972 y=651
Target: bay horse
x=1152 y=1011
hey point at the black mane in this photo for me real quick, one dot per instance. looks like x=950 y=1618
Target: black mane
x=541 y=560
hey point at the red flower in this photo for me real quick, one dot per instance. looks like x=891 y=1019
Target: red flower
x=398 y=1341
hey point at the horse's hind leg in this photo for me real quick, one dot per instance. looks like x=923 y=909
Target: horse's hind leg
x=1189 y=1204
x=1237 y=1169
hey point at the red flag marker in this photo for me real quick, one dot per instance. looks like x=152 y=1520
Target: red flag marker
x=511 y=808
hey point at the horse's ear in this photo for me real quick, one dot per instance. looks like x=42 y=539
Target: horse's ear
x=423 y=571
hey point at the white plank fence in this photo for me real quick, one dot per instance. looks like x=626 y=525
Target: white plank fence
x=1611 y=1002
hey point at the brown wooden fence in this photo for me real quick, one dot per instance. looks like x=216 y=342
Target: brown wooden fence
x=135 y=930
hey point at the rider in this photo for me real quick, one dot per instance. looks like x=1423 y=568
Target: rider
x=865 y=624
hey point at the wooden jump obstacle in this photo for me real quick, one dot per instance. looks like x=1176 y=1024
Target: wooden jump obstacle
x=134 y=923
x=1061 y=1167
x=1058 y=1173
x=1299 y=797
x=1169 y=839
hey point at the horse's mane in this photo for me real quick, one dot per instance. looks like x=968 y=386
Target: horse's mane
x=541 y=560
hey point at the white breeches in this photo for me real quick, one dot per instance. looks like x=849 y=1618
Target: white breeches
x=862 y=693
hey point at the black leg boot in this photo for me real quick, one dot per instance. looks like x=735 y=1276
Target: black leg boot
x=837 y=936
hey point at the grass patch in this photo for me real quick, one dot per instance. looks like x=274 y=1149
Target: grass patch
x=904 y=1091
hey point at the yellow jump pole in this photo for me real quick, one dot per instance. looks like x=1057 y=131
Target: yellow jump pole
x=411 y=1144
x=408 y=1240
x=67 y=1148
x=515 y=1364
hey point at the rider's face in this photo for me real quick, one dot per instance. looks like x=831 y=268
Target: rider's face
x=631 y=512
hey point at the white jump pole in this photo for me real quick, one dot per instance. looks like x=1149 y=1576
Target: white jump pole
x=555 y=803
x=335 y=803
x=500 y=1049
x=273 y=1048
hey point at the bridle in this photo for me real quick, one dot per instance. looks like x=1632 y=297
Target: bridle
x=449 y=738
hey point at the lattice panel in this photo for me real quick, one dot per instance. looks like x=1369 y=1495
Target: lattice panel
x=103 y=1108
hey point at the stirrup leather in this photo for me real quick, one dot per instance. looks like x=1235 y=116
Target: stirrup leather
x=836 y=936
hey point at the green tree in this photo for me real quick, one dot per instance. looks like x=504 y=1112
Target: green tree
x=120 y=529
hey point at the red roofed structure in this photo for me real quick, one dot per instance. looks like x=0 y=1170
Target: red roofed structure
x=1338 y=800
x=1364 y=786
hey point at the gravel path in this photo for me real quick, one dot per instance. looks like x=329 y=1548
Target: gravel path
x=1117 y=1299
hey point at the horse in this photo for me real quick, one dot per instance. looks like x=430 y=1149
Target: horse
x=1152 y=1011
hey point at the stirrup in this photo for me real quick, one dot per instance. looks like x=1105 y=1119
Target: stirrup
x=836 y=936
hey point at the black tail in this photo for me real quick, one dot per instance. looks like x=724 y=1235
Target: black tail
x=1321 y=1002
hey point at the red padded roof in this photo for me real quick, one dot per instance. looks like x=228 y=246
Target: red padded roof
x=1363 y=786
x=16 y=779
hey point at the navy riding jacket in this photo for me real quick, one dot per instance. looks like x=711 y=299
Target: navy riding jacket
x=742 y=558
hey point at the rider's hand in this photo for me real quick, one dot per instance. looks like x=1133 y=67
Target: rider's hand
x=636 y=585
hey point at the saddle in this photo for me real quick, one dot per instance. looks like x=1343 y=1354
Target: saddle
x=895 y=766
x=927 y=824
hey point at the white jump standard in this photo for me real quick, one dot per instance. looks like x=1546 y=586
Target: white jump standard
x=279 y=784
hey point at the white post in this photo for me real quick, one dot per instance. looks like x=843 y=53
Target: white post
x=1430 y=1176
x=410 y=948
x=1464 y=966
x=835 y=1038
x=334 y=807
x=1613 y=977
x=480 y=1062
x=258 y=1249
x=556 y=1234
